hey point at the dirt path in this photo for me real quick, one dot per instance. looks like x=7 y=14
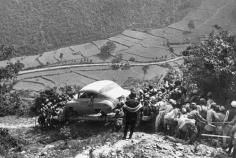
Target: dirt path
x=95 y=65
x=12 y=122
x=2 y=125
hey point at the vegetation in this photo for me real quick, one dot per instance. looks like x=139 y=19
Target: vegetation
x=211 y=65
x=191 y=25
x=10 y=101
x=8 y=142
x=6 y=52
x=107 y=50
x=37 y=25
x=50 y=103
x=132 y=59
x=145 y=70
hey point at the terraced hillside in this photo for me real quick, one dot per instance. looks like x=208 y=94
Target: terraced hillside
x=37 y=26
x=142 y=44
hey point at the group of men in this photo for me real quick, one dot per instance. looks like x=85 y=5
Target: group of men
x=178 y=113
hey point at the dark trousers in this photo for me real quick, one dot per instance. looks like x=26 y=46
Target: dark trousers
x=129 y=125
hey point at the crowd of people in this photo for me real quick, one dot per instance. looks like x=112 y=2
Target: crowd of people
x=180 y=113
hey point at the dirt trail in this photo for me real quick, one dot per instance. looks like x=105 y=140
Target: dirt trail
x=2 y=125
x=150 y=145
x=12 y=122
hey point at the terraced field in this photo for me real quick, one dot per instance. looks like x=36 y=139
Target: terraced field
x=145 y=45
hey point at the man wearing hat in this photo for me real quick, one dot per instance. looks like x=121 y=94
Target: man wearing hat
x=131 y=110
x=231 y=113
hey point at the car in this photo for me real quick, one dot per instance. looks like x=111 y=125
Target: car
x=97 y=97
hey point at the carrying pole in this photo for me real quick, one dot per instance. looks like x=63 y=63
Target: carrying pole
x=216 y=136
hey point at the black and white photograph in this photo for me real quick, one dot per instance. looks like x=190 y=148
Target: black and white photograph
x=117 y=78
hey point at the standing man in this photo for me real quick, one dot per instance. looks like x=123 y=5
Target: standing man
x=131 y=111
x=230 y=128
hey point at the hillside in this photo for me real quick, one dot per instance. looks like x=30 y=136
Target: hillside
x=143 y=44
x=95 y=140
x=37 y=26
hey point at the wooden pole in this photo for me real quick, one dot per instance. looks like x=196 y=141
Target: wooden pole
x=217 y=136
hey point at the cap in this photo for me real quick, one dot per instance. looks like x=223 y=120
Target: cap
x=233 y=104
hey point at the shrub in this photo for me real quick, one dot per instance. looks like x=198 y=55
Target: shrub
x=49 y=105
x=106 y=50
x=6 y=52
x=131 y=59
x=191 y=25
x=116 y=62
x=7 y=142
x=65 y=133
x=9 y=98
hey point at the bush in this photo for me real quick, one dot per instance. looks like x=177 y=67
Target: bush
x=131 y=59
x=7 y=142
x=9 y=98
x=116 y=62
x=107 y=50
x=65 y=133
x=6 y=52
x=49 y=105
x=191 y=25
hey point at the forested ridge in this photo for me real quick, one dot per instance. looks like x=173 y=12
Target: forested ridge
x=37 y=25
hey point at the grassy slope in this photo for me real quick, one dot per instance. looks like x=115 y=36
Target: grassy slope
x=224 y=17
x=37 y=25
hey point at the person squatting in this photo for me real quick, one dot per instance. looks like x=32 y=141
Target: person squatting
x=185 y=116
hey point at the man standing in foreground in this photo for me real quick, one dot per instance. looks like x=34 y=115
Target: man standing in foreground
x=131 y=111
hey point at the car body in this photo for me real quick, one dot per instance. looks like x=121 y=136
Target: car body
x=100 y=96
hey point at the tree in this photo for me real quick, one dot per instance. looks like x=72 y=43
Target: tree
x=131 y=59
x=145 y=68
x=191 y=25
x=61 y=56
x=115 y=62
x=9 y=99
x=7 y=52
x=211 y=65
x=106 y=50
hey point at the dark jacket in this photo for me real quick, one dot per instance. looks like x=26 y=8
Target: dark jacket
x=232 y=114
x=131 y=109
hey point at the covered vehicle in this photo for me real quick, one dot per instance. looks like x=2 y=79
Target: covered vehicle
x=100 y=96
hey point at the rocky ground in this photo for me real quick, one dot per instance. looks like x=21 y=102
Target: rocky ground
x=98 y=141
x=152 y=145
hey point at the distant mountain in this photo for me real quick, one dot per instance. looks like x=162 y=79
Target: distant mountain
x=35 y=26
